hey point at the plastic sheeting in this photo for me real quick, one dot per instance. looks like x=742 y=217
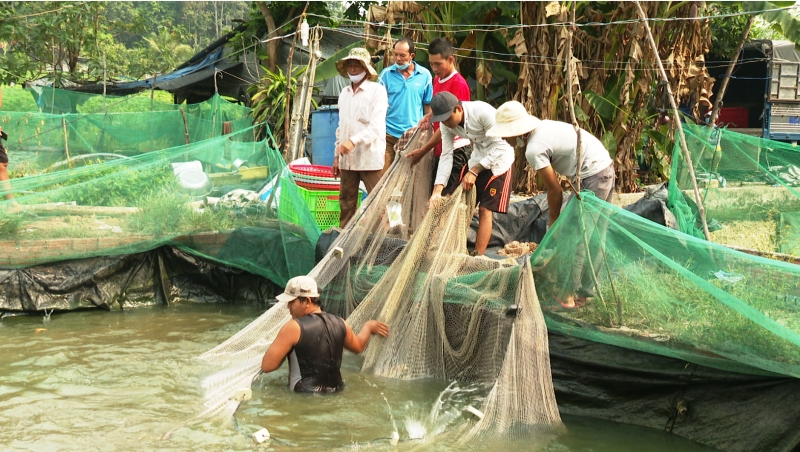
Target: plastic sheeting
x=164 y=275
x=735 y=412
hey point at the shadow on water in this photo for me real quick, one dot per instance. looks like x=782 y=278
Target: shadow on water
x=118 y=381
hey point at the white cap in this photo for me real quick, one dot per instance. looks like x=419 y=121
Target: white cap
x=299 y=286
x=512 y=120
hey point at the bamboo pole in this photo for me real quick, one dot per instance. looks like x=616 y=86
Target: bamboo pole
x=570 y=78
x=724 y=85
x=701 y=210
x=185 y=127
x=66 y=141
x=288 y=96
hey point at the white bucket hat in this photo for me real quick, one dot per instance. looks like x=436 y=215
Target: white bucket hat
x=361 y=54
x=299 y=286
x=512 y=120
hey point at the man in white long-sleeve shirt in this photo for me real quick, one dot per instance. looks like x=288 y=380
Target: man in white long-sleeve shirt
x=361 y=135
x=490 y=165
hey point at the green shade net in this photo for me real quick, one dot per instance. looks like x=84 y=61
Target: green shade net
x=41 y=135
x=747 y=184
x=253 y=217
x=661 y=291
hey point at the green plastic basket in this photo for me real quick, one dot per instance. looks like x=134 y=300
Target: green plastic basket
x=324 y=206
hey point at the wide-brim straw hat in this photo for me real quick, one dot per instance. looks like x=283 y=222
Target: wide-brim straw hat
x=512 y=120
x=361 y=54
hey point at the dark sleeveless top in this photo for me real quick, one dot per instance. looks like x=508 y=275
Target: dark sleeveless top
x=319 y=352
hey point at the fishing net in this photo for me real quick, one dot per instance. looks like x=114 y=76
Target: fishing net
x=749 y=187
x=451 y=316
x=191 y=196
x=661 y=291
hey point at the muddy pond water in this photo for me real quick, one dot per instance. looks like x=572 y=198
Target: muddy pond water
x=116 y=381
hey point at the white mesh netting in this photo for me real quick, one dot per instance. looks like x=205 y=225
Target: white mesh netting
x=447 y=311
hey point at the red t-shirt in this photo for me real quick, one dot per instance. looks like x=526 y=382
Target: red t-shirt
x=455 y=85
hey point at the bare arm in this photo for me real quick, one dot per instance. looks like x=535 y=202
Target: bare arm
x=417 y=154
x=287 y=338
x=357 y=343
x=554 y=193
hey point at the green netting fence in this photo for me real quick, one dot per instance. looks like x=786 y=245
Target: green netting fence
x=662 y=291
x=750 y=188
x=91 y=124
x=229 y=197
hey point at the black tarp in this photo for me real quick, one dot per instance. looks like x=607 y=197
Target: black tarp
x=162 y=275
x=526 y=220
x=730 y=411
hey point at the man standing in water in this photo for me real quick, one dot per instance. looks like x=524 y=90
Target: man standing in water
x=314 y=340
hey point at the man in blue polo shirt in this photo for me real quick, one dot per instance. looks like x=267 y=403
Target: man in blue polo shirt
x=410 y=89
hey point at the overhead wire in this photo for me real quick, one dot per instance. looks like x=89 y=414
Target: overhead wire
x=532 y=59
x=495 y=27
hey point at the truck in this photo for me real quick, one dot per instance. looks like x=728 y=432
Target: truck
x=763 y=94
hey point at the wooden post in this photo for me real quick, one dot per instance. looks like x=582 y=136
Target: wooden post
x=676 y=117
x=152 y=90
x=185 y=127
x=288 y=97
x=570 y=78
x=66 y=141
x=105 y=78
x=724 y=85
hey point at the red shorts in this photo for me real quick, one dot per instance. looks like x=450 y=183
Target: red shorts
x=494 y=192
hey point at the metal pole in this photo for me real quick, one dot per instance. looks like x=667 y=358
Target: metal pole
x=701 y=210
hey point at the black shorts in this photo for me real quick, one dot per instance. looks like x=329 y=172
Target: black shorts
x=3 y=155
x=460 y=160
x=494 y=192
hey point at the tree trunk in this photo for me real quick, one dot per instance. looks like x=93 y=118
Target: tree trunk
x=718 y=102
x=272 y=46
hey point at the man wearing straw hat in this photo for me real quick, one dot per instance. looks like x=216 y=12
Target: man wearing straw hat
x=361 y=135
x=551 y=149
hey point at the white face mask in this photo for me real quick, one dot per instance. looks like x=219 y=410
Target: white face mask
x=357 y=78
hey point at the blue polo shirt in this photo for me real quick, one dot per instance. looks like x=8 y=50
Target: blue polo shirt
x=406 y=97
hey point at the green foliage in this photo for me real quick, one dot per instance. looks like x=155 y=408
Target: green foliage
x=107 y=185
x=17 y=99
x=269 y=98
x=162 y=53
x=136 y=38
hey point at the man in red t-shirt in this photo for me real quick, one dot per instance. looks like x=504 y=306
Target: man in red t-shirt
x=442 y=61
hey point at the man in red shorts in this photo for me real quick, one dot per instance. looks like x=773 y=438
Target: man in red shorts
x=490 y=164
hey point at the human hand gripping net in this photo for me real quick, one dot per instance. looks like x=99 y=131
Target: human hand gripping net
x=446 y=311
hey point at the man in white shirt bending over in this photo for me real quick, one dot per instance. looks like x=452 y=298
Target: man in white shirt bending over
x=361 y=135
x=490 y=165
x=551 y=150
